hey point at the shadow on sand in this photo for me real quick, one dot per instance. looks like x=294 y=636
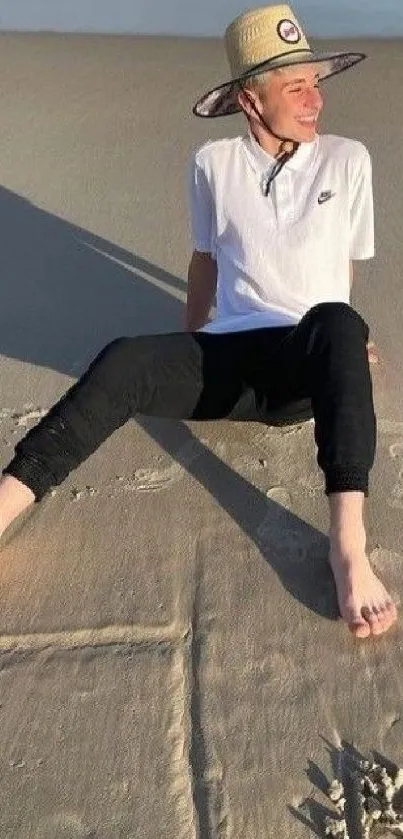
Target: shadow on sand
x=67 y=292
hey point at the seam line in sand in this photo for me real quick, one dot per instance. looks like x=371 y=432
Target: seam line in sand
x=129 y=635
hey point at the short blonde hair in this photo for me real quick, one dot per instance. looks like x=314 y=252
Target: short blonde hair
x=261 y=79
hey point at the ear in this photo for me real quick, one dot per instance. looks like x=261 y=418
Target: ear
x=245 y=103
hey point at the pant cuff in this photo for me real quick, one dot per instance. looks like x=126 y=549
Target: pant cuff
x=30 y=473
x=347 y=479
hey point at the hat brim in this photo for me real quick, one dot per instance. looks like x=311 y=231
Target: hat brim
x=223 y=100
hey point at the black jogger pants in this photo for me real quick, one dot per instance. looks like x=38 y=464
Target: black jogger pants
x=322 y=360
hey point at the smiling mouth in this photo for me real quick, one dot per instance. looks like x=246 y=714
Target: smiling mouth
x=307 y=120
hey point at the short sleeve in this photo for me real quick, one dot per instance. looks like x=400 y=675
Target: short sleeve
x=362 y=244
x=202 y=210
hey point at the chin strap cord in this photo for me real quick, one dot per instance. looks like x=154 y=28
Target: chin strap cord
x=281 y=160
x=287 y=148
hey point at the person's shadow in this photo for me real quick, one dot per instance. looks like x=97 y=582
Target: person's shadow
x=65 y=294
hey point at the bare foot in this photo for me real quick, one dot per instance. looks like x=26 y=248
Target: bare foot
x=364 y=603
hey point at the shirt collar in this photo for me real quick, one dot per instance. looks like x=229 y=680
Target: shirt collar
x=262 y=162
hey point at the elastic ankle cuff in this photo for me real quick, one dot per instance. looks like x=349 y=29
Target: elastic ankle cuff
x=347 y=479
x=30 y=473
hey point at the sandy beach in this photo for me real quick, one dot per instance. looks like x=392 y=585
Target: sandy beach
x=171 y=662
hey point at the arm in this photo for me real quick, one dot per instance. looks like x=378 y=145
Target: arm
x=202 y=273
x=373 y=355
x=362 y=224
x=202 y=285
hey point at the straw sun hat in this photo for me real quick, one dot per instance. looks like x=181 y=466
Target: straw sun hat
x=264 y=39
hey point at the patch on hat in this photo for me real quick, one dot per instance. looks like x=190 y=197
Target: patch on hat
x=288 y=31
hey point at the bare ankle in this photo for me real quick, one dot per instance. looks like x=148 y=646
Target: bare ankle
x=347 y=529
x=352 y=533
x=15 y=497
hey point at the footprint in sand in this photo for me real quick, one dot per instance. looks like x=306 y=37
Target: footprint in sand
x=33 y=415
x=280 y=495
x=146 y=480
x=282 y=431
x=17 y=421
x=21 y=419
x=150 y=480
x=142 y=480
x=155 y=480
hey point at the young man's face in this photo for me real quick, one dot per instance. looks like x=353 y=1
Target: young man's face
x=290 y=102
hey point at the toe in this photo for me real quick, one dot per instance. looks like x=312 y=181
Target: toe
x=370 y=614
x=380 y=619
x=384 y=619
x=359 y=627
x=375 y=621
x=376 y=627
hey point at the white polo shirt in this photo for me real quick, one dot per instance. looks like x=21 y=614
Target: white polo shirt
x=279 y=256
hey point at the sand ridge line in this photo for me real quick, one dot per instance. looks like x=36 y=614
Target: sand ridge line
x=114 y=635
x=179 y=735
x=209 y=782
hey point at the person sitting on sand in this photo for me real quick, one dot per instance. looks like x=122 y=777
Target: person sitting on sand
x=278 y=216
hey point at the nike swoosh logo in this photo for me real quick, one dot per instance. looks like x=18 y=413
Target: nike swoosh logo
x=325 y=196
